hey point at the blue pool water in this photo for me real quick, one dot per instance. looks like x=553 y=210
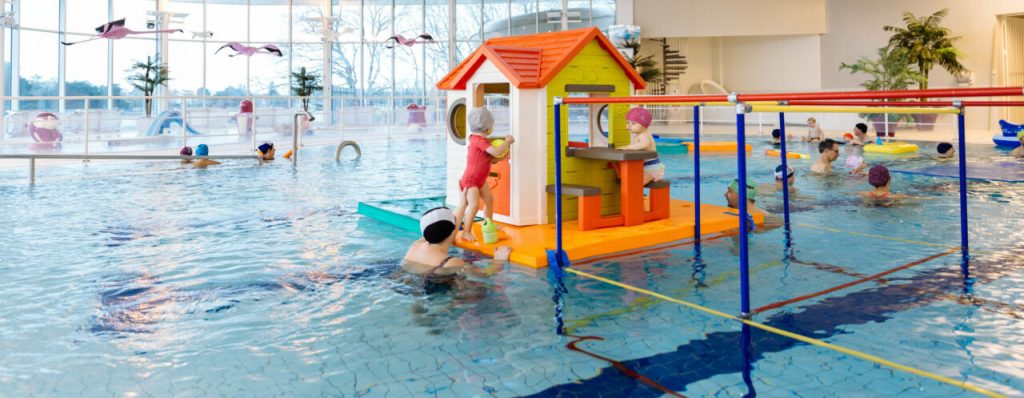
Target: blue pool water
x=147 y=279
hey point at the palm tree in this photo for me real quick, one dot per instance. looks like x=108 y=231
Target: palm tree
x=148 y=76
x=927 y=44
x=891 y=71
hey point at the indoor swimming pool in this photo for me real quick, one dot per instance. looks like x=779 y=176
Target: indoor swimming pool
x=153 y=279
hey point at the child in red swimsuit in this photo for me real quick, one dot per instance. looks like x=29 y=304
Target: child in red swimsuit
x=478 y=166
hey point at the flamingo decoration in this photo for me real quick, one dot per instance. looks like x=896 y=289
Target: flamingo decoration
x=115 y=30
x=247 y=51
x=399 y=39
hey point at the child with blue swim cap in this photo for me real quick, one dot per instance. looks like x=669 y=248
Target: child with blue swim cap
x=203 y=150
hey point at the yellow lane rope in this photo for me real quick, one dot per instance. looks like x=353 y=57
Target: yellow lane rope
x=881 y=361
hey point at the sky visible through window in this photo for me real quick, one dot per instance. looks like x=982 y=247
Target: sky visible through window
x=359 y=62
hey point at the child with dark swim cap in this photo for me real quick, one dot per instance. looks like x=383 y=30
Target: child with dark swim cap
x=429 y=256
x=186 y=151
x=945 y=150
x=266 y=151
x=879 y=177
x=776 y=137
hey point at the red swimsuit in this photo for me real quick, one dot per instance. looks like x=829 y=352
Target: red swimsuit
x=478 y=163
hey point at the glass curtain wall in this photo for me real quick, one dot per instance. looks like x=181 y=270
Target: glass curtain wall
x=351 y=40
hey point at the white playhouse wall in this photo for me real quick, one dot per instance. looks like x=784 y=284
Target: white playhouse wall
x=528 y=160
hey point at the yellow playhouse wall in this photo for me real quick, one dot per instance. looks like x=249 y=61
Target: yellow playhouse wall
x=591 y=66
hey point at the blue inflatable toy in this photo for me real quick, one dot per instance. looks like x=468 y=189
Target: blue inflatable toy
x=1008 y=138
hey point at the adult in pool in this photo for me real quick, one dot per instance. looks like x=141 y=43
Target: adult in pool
x=829 y=150
x=429 y=256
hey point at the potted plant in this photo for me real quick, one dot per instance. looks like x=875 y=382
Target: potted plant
x=148 y=76
x=891 y=71
x=643 y=65
x=304 y=85
x=927 y=44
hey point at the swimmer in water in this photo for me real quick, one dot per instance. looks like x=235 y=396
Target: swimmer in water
x=266 y=151
x=879 y=177
x=186 y=151
x=429 y=256
x=829 y=150
x=203 y=150
x=946 y=151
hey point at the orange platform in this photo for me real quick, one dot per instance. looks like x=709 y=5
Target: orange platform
x=530 y=244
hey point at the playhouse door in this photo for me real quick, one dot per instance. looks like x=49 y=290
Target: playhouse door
x=500 y=182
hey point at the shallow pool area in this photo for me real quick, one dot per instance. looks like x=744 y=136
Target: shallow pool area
x=153 y=279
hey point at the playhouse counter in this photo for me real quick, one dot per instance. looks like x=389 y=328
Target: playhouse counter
x=610 y=154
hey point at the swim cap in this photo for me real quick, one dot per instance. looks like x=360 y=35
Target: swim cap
x=186 y=151
x=480 y=119
x=437 y=224
x=944 y=147
x=265 y=147
x=862 y=127
x=202 y=150
x=778 y=172
x=776 y=133
x=854 y=161
x=751 y=187
x=848 y=136
x=878 y=175
x=640 y=116
x=1020 y=136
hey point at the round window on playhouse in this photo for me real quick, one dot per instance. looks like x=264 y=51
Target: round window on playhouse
x=457 y=121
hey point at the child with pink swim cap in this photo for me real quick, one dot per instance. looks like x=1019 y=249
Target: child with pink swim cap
x=637 y=121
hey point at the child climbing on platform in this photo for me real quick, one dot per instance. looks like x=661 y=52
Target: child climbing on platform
x=473 y=185
x=637 y=121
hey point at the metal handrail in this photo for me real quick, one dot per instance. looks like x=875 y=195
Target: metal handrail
x=85 y=157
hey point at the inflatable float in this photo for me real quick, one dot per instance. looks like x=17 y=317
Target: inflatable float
x=717 y=146
x=891 y=148
x=793 y=155
x=1008 y=137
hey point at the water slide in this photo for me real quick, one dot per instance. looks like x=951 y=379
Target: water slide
x=165 y=120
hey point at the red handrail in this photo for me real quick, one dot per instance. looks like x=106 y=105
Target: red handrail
x=836 y=95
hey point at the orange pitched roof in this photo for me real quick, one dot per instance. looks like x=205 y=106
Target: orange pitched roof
x=531 y=61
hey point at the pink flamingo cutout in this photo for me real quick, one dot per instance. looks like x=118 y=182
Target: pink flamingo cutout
x=115 y=30
x=247 y=51
x=399 y=39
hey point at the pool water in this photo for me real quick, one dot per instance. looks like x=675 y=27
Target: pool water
x=150 y=279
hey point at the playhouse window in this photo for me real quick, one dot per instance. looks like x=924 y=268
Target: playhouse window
x=497 y=98
x=457 y=121
x=584 y=121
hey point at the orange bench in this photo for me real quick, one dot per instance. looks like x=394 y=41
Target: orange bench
x=589 y=208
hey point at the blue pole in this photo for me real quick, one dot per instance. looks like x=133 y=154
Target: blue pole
x=696 y=173
x=698 y=262
x=741 y=160
x=785 y=171
x=965 y=256
x=558 y=182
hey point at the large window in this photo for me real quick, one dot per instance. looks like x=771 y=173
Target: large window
x=355 y=32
